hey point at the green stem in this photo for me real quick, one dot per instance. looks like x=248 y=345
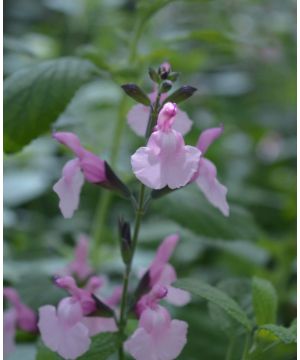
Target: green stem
x=123 y=308
x=229 y=352
x=246 y=346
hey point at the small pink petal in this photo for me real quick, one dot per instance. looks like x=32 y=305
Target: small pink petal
x=70 y=140
x=207 y=137
x=177 y=297
x=213 y=190
x=80 y=265
x=166 y=248
x=9 y=331
x=138 y=118
x=95 y=283
x=68 y=188
x=182 y=123
x=166 y=116
x=93 y=167
x=98 y=325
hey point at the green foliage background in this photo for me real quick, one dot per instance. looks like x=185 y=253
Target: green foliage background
x=240 y=54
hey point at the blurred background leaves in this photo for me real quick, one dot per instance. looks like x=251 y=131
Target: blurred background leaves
x=241 y=57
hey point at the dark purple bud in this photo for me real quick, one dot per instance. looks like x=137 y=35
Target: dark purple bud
x=136 y=93
x=125 y=240
x=164 y=70
x=166 y=86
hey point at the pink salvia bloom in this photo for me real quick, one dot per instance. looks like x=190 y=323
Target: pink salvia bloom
x=86 y=166
x=26 y=318
x=80 y=265
x=9 y=331
x=166 y=160
x=138 y=118
x=62 y=330
x=67 y=330
x=206 y=176
x=158 y=337
x=162 y=275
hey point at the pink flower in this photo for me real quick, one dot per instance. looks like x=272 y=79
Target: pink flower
x=9 y=331
x=19 y=315
x=158 y=337
x=206 y=176
x=138 y=117
x=166 y=160
x=86 y=166
x=80 y=266
x=62 y=330
x=25 y=317
x=67 y=329
x=162 y=275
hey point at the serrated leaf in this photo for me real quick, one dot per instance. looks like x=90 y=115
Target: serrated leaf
x=34 y=97
x=217 y=297
x=103 y=345
x=264 y=301
x=285 y=335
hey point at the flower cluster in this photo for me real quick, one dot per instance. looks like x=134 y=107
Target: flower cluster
x=163 y=165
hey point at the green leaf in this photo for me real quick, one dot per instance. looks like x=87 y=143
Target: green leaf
x=103 y=345
x=285 y=335
x=34 y=97
x=264 y=301
x=217 y=297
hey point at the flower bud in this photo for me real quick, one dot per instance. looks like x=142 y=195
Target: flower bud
x=125 y=240
x=154 y=75
x=166 y=86
x=136 y=93
x=164 y=70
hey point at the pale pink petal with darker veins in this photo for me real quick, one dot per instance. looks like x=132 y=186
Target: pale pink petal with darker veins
x=68 y=188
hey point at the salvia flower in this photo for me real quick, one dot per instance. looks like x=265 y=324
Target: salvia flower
x=166 y=160
x=157 y=337
x=19 y=316
x=86 y=166
x=138 y=117
x=163 y=274
x=206 y=176
x=67 y=330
